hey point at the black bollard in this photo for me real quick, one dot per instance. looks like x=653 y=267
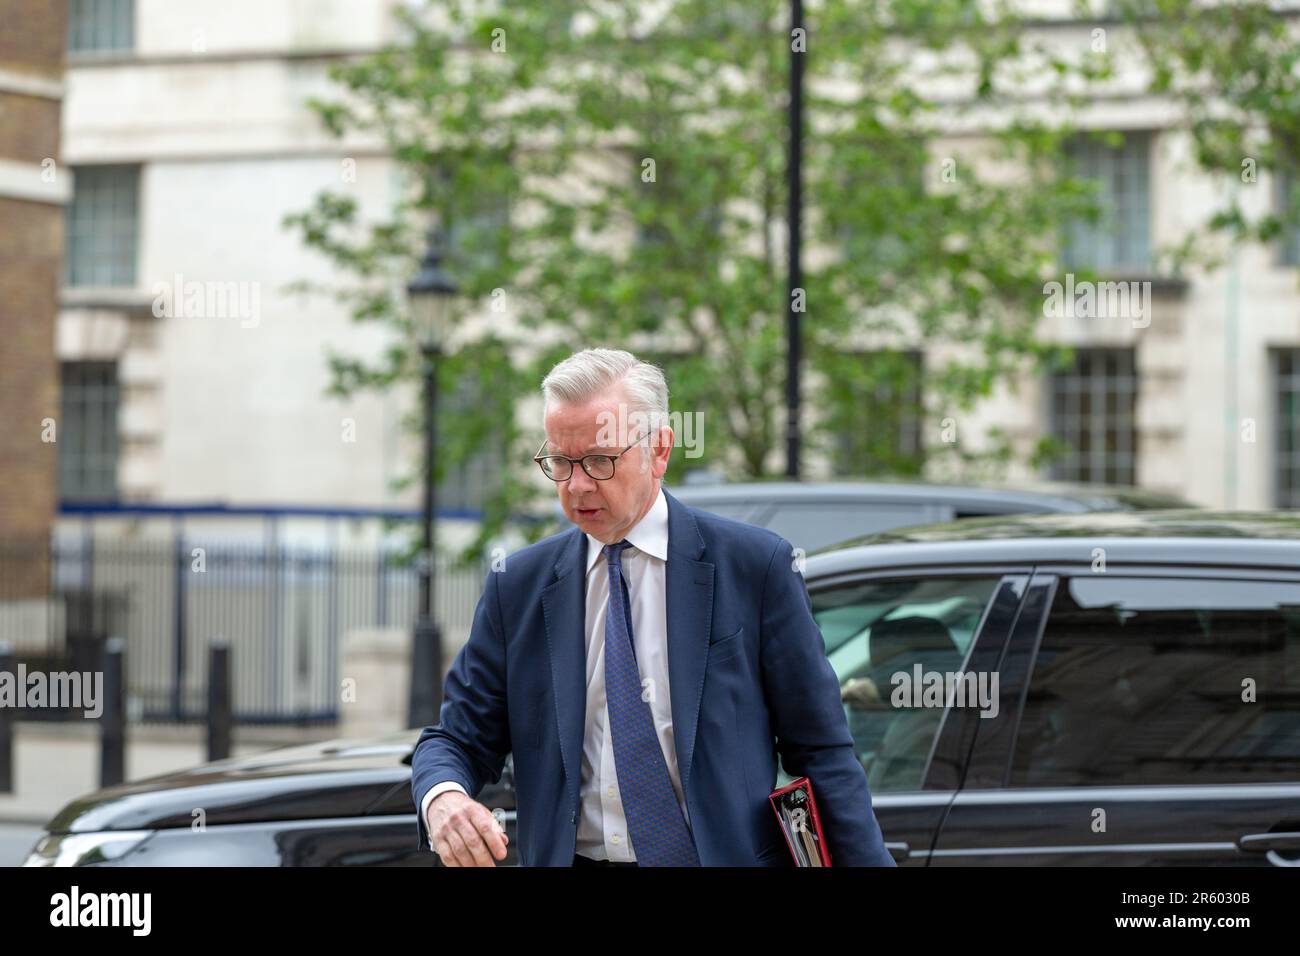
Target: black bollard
x=219 y=710
x=112 y=723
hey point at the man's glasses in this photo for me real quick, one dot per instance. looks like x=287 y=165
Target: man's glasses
x=560 y=467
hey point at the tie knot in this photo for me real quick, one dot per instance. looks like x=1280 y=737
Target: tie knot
x=613 y=552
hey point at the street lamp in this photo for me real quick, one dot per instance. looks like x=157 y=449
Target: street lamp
x=794 y=270
x=431 y=293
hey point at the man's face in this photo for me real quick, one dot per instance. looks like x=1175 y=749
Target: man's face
x=607 y=509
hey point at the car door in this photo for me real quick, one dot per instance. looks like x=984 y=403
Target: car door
x=1152 y=717
x=885 y=634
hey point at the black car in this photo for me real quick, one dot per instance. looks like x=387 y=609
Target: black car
x=1147 y=703
x=337 y=803
x=1050 y=689
x=813 y=515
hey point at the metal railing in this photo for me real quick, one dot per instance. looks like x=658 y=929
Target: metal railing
x=283 y=612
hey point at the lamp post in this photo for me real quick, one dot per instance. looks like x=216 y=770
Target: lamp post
x=431 y=293
x=793 y=332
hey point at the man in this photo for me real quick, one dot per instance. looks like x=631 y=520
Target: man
x=645 y=668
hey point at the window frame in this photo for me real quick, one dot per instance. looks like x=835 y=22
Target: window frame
x=1286 y=183
x=1285 y=441
x=906 y=410
x=1057 y=470
x=84 y=22
x=1034 y=628
x=953 y=740
x=108 y=440
x=103 y=229
x=465 y=486
x=1102 y=240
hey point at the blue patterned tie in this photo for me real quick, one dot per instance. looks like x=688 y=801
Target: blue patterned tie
x=654 y=819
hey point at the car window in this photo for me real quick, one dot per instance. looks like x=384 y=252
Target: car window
x=812 y=526
x=877 y=634
x=1164 y=681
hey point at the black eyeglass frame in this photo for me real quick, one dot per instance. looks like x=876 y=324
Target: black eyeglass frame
x=613 y=459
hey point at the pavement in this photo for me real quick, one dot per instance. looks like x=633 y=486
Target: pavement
x=55 y=763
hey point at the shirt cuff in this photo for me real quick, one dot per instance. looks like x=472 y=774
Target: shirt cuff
x=436 y=789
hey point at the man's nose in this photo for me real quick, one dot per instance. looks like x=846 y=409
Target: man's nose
x=580 y=483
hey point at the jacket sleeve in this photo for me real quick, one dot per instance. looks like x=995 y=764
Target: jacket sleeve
x=470 y=742
x=812 y=733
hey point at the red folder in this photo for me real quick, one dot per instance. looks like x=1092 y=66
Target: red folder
x=796 y=813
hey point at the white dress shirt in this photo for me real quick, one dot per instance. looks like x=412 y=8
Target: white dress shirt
x=602 y=826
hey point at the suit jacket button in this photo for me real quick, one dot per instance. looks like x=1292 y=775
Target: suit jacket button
x=573 y=817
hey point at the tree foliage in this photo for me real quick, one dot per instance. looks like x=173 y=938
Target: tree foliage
x=615 y=174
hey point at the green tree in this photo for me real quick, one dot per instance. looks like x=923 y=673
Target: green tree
x=642 y=160
x=1234 y=71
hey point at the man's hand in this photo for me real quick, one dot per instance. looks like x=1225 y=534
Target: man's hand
x=464 y=832
x=861 y=693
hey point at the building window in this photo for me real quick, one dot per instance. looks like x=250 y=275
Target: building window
x=1286 y=199
x=1119 y=240
x=467 y=485
x=1092 y=414
x=875 y=412
x=1287 y=371
x=103 y=226
x=87 y=434
x=95 y=25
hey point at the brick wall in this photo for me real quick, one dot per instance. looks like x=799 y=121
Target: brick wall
x=31 y=247
x=33 y=34
x=29 y=127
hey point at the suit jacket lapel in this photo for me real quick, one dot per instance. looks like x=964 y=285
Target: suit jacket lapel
x=689 y=592
x=564 y=608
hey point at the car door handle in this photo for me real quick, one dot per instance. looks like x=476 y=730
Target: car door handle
x=1264 y=842
x=899 y=851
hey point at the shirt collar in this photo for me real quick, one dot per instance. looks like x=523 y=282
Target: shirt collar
x=650 y=534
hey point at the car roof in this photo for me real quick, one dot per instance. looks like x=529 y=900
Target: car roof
x=1042 y=496
x=1181 y=536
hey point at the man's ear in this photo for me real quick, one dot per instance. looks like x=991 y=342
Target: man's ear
x=661 y=452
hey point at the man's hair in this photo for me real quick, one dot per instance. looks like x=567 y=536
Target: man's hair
x=592 y=371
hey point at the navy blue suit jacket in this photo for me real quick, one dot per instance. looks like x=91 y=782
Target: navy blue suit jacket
x=748 y=677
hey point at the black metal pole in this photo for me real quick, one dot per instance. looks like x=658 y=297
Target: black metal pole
x=794 y=345
x=180 y=583
x=219 y=709
x=426 y=653
x=112 y=744
x=430 y=364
